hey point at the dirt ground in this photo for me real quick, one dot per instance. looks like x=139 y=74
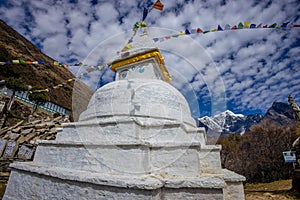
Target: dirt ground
x=278 y=190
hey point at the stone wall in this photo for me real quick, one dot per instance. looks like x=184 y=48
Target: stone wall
x=18 y=143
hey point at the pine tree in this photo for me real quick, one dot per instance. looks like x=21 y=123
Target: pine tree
x=39 y=98
x=15 y=84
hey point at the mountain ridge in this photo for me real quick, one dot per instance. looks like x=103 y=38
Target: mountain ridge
x=228 y=122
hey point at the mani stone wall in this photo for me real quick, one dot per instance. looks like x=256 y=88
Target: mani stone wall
x=18 y=143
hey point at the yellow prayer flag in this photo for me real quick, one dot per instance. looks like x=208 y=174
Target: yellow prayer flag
x=247 y=24
x=16 y=62
x=56 y=63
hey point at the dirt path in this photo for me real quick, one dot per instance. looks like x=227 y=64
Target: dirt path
x=278 y=190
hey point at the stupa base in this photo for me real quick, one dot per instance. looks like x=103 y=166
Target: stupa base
x=29 y=181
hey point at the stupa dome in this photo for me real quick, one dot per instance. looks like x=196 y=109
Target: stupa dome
x=145 y=98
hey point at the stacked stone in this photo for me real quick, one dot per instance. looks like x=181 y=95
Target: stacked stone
x=18 y=143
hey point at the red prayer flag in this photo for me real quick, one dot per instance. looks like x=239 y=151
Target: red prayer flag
x=234 y=28
x=199 y=30
x=158 y=5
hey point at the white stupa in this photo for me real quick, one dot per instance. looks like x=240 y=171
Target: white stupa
x=136 y=140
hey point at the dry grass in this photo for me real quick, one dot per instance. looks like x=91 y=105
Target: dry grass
x=271 y=191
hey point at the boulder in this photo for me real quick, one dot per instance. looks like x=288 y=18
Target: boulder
x=26 y=131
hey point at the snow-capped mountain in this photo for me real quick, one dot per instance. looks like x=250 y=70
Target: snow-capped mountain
x=229 y=122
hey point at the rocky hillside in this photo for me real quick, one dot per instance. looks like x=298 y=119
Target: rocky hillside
x=18 y=141
x=280 y=114
x=14 y=46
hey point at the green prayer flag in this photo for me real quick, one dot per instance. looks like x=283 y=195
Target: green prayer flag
x=240 y=26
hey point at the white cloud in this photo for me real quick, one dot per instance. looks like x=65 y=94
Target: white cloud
x=254 y=67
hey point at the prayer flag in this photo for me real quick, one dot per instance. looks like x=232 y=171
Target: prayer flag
x=253 y=26
x=128 y=46
x=22 y=62
x=15 y=62
x=234 y=28
x=181 y=33
x=265 y=26
x=35 y=62
x=206 y=31
x=272 y=26
x=258 y=26
x=199 y=30
x=155 y=39
x=41 y=62
x=193 y=31
x=240 y=26
x=284 y=24
x=100 y=67
x=8 y=62
x=246 y=24
x=296 y=25
x=158 y=5
x=55 y=63
x=187 y=32
x=28 y=62
x=220 y=28
x=214 y=30
x=145 y=13
x=227 y=27
x=2 y=63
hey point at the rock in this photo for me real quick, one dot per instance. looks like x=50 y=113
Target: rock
x=21 y=139
x=50 y=137
x=30 y=118
x=11 y=149
x=2 y=146
x=41 y=125
x=53 y=130
x=25 y=152
x=50 y=124
x=57 y=119
x=30 y=136
x=16 y=130
x=6 y=137
x=4 y=130
x=26 y=126
x=27 y=131
x=13 y=136
x=36 y=121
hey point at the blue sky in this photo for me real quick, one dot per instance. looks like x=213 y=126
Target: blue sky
x=243 y=70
